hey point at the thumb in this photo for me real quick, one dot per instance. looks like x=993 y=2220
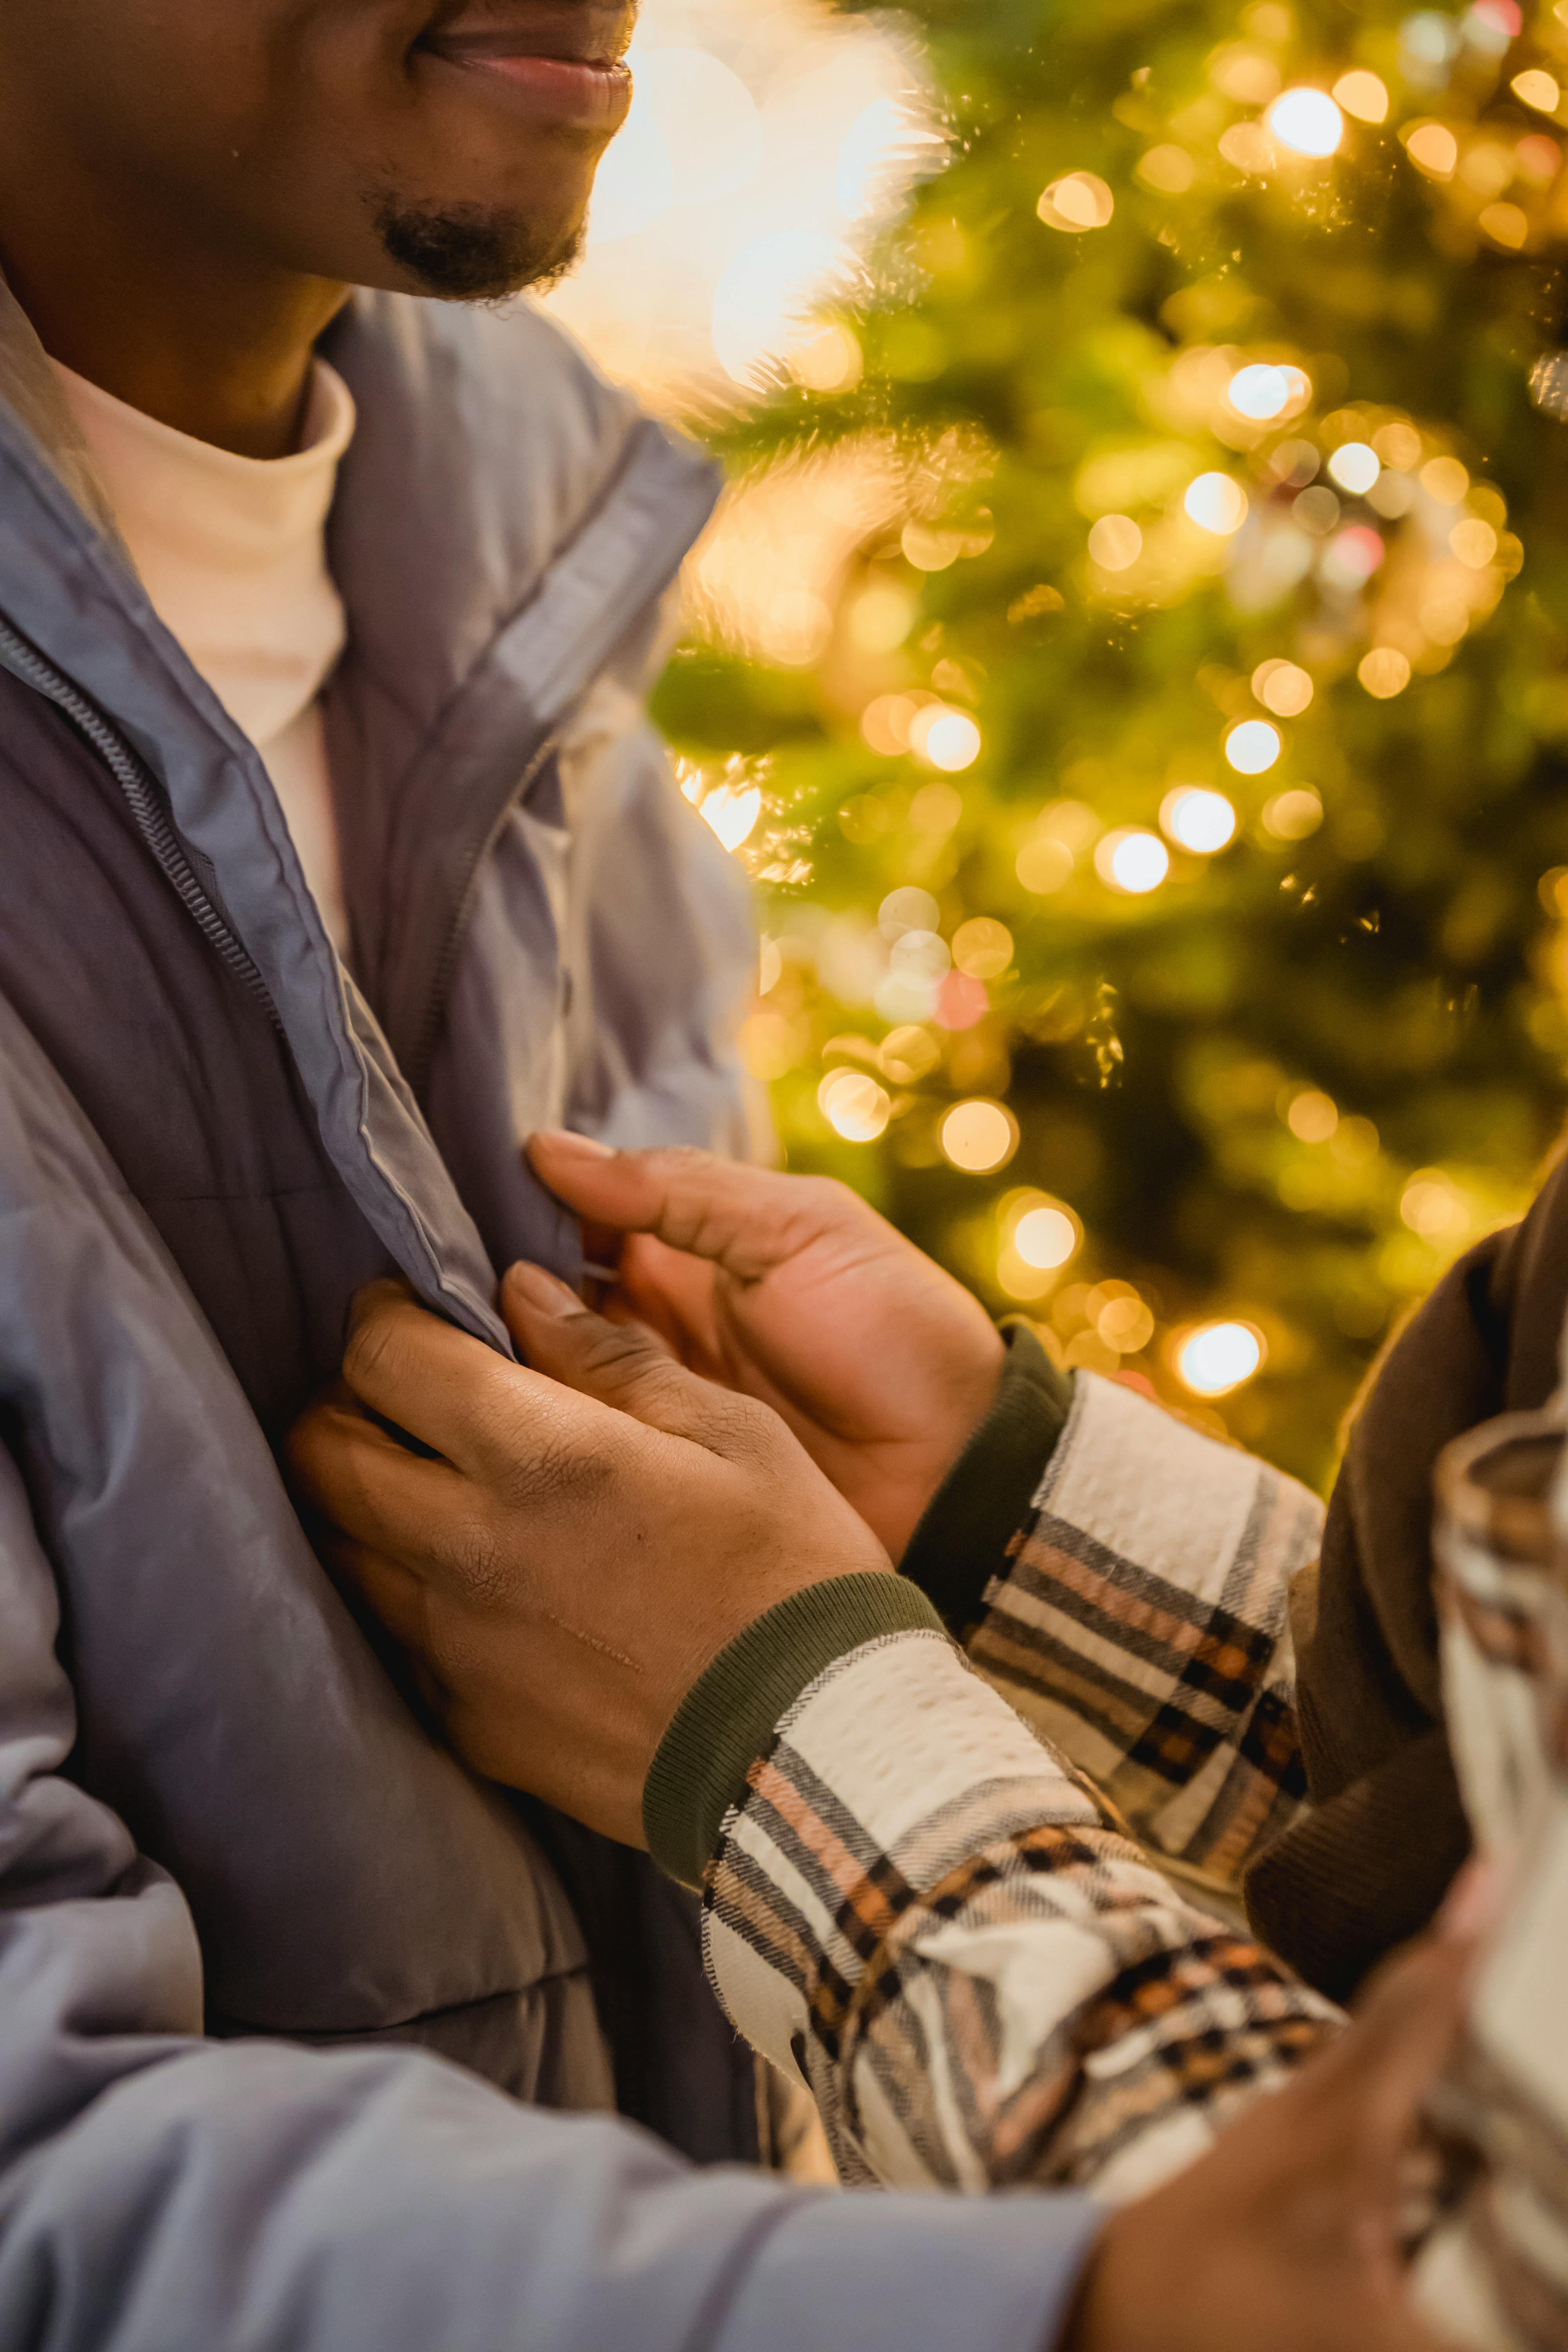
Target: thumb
x=745 y=1220
x=619 y=1364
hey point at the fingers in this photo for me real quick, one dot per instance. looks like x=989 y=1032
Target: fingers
x=618 y=1364
x=747 y=1220
x=365 y=1485
x=443 y=1386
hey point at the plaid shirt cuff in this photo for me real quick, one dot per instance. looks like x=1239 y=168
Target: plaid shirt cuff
x=1141 y=1625
x=928 y=1917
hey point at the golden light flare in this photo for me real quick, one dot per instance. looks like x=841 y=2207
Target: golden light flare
x=1294 y=815
x=854 y=1106
x=1253 y=747
x=1132 y=860
x=1115 y=543
x=1308 y=121
x=1538 y=89
x=1077 y=203
x=1362 y=95
x=1198 y=819
x=1216 y=503
x=1385 y=672
x=1284 y=688
x=979 y=1136
x=1432 y=149
x=1217 y=1358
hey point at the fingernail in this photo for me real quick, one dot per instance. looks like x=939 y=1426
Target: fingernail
x=574 y=1146
x=542 y=1291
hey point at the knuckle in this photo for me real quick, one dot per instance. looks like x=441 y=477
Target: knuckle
x=832 y=1201
x=744 y=1428
x=372 y=1350
x=553 y=1473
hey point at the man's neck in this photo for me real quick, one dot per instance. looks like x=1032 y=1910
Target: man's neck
x=219 y=352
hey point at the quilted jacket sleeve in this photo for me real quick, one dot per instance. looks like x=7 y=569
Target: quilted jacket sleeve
x=160 y=2193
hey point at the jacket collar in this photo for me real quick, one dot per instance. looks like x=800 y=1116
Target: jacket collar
x=504 y=523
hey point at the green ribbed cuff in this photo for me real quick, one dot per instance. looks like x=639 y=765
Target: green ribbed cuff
x=962 y=1541
x=728 y=1716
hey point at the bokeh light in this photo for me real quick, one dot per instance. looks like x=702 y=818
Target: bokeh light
x=1308 y=122
x=1045 y=865
x=1293 y=816
x=982 y=948
x=1355 y=466
x=1125 y=1322
x=1047 y=1237
x=1475 y=543
x=908 y=909
x=1433 y=147
x=948 y=739
x=1446 y=479
x=1360 y=93
x=1116 y=543
x=1253 y=747
x=1535 y=86
x=1076 y=203
x=1170 y=171
x=1312 y=1116
x=854 y=1106
x=1284 y=688
x=1259 y=391
x=1132 y=860
x=1216 y=503
x=1433 y=1207
x=1385 y=672
x=979 y=1136
x=1198 y=819
x=1219 y=1357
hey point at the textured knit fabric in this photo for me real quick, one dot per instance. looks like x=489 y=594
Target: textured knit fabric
x=728 y=1717
x=922 y=1911
x=986 y=1497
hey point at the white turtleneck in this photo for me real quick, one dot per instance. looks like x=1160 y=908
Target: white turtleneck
x=232 y=554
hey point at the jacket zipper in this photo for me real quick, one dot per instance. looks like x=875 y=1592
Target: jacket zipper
x=144 y=797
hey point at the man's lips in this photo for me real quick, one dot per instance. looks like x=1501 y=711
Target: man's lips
x=580 y=82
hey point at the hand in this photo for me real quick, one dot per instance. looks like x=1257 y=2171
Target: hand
x=790 y=1288
x=1287 y=2234
x=595 y=1529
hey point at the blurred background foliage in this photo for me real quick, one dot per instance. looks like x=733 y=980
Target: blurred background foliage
x=1133 y=670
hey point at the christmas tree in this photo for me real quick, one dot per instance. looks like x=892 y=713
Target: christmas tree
x=1161 y=827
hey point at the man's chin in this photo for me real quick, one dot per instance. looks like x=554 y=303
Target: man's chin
x=472 y=253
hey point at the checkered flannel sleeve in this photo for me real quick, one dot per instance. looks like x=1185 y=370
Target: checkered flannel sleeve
x=925 y=1914
x=1141 y=1625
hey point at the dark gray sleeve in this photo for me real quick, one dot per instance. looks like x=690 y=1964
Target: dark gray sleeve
x=160 y=2193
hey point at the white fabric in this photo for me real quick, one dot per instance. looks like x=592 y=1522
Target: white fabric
x=232 y=554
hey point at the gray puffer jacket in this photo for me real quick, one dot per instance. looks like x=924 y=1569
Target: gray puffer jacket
x=226 y=1832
